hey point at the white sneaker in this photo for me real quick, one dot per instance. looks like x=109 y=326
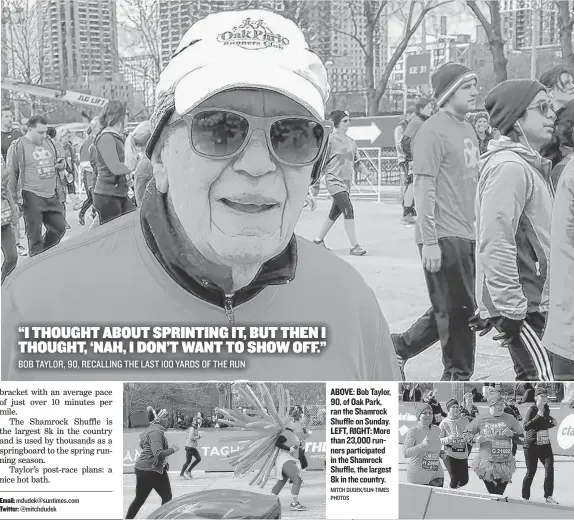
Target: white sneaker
x=550 y=500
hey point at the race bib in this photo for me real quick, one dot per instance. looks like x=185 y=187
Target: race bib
x=501 y=449
x=458 y=445
x=46 y=172
x=542 y=437
x=430 y=461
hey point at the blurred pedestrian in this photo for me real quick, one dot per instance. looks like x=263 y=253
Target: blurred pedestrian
x=136 y=160
x=31 y=162
x=9 y=133
x=10 y=216
x=111 y=191
x=481 y=127
x=88 y=167
x=560 y=84
x=71 y=168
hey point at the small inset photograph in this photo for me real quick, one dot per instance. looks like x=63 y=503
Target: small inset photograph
x=499 y=450
x=224 y=450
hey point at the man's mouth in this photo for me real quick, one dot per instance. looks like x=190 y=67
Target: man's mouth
x=255 y=205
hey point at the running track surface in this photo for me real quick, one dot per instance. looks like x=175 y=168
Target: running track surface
x=563 y=477
x=393 y=270
x=312 y=493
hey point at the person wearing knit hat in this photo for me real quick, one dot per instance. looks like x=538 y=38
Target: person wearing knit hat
x=559 y=81
x=422 y=446
x=559 y=333
x=341 y=166
x=237 y=135
x=513 y=215
x=455 y=444
x=494 y=431
x=423 y=110
x=151 y=466
x=445 y=170
x=537 y=444
x=480 y=124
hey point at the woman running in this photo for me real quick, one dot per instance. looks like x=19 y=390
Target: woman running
x=302 y=433
x=339 y=173
x=274 y=441
x=423 y=446
x=151 y=466
x=455 y=444
x=494 y=431
x=537 y=445
x=191 y=451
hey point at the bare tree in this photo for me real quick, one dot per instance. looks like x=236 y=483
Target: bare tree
x=371 y=13
x=143 y=16
x=493 y=30
x=25 y=33
x=566 y=21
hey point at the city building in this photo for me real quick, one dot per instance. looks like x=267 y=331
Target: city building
x=80 y=40
x=104 y=86
x=327 y=25
x=517 y=18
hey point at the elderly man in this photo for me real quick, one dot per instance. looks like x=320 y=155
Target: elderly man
x=236 y=138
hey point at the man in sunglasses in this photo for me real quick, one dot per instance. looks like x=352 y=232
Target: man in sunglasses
x=513 y=215
x=237 y=137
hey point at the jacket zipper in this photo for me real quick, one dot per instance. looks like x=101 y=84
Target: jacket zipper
x=536 y=262
x=229 y=311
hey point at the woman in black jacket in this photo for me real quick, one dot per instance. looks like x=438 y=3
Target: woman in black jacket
x=537 y=445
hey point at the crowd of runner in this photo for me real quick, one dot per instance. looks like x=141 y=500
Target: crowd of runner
x=491 y=195
x=496 y=434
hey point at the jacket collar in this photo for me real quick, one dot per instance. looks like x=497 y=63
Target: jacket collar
x=192 y=271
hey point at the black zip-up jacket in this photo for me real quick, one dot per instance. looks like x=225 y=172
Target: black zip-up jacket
x=534 y=423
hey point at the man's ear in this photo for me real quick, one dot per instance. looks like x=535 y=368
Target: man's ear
x=159 y=172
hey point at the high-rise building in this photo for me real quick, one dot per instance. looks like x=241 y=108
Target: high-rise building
x=517 y=19
x=326 y=28
x=80 y=42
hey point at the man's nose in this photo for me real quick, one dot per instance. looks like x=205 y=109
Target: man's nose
x=256 y=159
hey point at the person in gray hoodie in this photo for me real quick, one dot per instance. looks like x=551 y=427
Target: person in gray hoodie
x=151 y=467
x=513 y=216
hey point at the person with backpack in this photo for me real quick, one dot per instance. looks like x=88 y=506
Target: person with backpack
x=111 y=198
x=32 y=164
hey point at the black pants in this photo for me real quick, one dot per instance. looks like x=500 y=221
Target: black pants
x=458 y=471
x=47 y=211
x=451 y=292
x=110 y=207
x=533 y=454
x=8 y=250
x=303 y=458
x=408 y=209
x=189 y=454
x=341 y=205
x=563 y=368
x=531 y=360
x=496 y=487
x=145 y=482
x=87 y=203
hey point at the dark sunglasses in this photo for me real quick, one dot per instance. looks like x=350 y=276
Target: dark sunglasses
x=545 y=107
x=219 y=133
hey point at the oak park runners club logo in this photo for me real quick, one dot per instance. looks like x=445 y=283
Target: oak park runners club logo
x=252 y=35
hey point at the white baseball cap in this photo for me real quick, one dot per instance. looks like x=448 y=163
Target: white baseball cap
x=242 y=49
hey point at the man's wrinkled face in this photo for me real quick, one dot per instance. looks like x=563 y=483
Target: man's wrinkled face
x=243 y=209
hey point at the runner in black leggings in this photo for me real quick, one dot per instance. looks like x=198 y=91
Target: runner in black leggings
x=191 y=451
x=151 y=467
x=537 y=445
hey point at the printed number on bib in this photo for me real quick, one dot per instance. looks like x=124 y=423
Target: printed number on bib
x=430 y=461
x=501 y=449
x=458 y=445
x=542 y=437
